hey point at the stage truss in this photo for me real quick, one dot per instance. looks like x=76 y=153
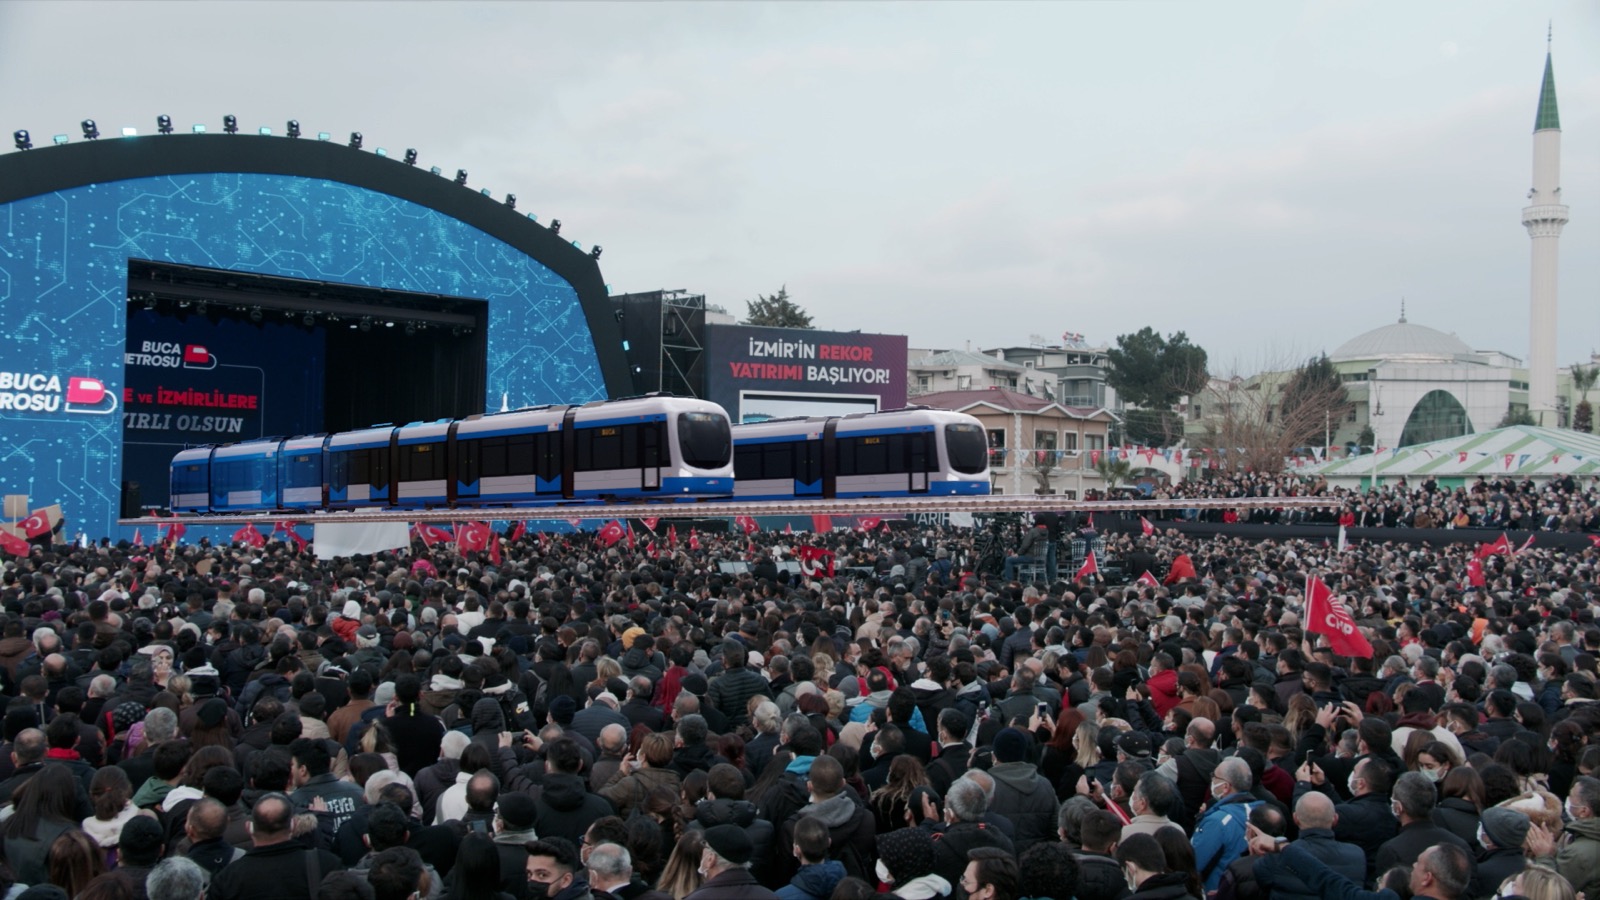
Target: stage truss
x=715 y=509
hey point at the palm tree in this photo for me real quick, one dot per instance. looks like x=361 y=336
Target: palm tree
x=1583 y=378
x=1114 y=471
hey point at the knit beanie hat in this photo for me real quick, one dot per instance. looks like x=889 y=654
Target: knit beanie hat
x=1508 y=828
x=907 y=852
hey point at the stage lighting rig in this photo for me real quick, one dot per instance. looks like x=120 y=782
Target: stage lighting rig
x=366 y=323
x=164 y=124
x=150 y=302
x=411 y=156
x=294 y=128
x=355 y=140
x=230 y=124
x=555 y=226
x=511 y=201
x=411 y=329
x=91 y=131
x=595 y=253
x=308 y=320
x=255 y=314
x=201 y=308
x=461 y=177
x=24 y=142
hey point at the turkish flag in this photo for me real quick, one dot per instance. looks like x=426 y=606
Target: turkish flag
x=196 y=353
x=85 y=391
x=1182 y=567
x=747 y=524
x=1503 y=545
x=1325 y=615
x=672 y=535
x=650 y=548
x=249 y=536
x=138 y=537
x=430 y=534
x=1094 y=457
x=1088 y=569
x=650 y=522
x=40 y=522
x=14 y=545
x=494 y=548
x=869 y=524
x=1475 y=573
x=1146 y=527
x=175 y=530
x=518 y=531
x=694 y=540
x=611 y=533
x=822 y=524
x=290 y=534
x=1148 y=579
x=1527 y=543
x=473 y=536
x=788 y=528
x=629 y=526
x=815 y=561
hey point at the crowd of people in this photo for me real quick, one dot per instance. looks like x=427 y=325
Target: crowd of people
x=1569 y=504
x=584 y=722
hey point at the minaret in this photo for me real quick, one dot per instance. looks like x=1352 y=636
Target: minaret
x=1544 y=217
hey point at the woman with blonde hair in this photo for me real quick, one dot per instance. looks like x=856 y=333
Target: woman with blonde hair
x=681 y=875
x=1537 y=883
x=1301 y=714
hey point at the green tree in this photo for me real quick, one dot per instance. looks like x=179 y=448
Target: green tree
x=1366 y=440
x=776 y=311
x=1114 y=471
x=1583 y=378
x=1151 y=371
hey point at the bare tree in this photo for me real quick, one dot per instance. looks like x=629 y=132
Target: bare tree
x=1256 y=423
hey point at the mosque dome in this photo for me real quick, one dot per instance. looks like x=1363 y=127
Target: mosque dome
x=1402 y=340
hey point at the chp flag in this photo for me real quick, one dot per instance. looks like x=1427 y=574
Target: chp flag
x=1325 y=615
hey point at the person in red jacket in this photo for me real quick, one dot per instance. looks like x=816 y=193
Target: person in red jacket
x=1163 y=683
x=345 y=624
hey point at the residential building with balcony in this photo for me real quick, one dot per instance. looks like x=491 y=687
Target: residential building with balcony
x=1035 y=444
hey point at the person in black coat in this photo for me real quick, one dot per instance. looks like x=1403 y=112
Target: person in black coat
x=277 y=867
x=1146 y=864
x=416 y=734
x=1099 y=875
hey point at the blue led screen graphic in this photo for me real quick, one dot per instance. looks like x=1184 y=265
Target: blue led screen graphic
x=190 y=381
x=63 y=298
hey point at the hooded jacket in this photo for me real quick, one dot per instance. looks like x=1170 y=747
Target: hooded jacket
x=1579 y=860
x=628 y=792
x=711 y=813
x=852 y=835
x=565 y=808
x=814 y=882
x=1028 y=800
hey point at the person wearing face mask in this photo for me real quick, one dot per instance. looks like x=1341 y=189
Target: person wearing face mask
x=1501 y=834
x=1435 y=760
x=555 y=872
x=1413 y=800
x=1144 y=864
x=1577 y=855
x=818 y=874
x=725 y=866
x=1219 y=835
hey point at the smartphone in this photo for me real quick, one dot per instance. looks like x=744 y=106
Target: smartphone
x=1044 y=710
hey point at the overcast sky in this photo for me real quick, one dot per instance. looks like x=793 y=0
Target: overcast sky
x=1271 y=177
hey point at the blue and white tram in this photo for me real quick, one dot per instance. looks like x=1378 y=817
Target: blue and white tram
x=651 y=447
x=900 y=452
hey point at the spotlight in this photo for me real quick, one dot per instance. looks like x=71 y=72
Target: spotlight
x=164 y=124
x=381 y=152
x=436 y=170
x=388 y=324
x=59 y=139
x=455 y=331
x=255 y=314
x=294 y=128
x=511 y=201
x=308 y=320
x=485 y=192
x=198 y=129
x=230 y=124
x=411 y=329
x=24 y=142
x=201 y=308
x=619 y=315
x=461 y=177
x=130 y=132
x=355 y=140
x=366 y=323
x=595 y=253
x=264 y=131
x=555 y=226
x=150 y=302
x=324 y=136
x=411 y=157
x=91 y=131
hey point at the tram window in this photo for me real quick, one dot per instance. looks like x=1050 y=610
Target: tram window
x=360 y=471
x=492 y=457
x=519 y=454
x=777 y=460
x=652 y=436
x=747 y=462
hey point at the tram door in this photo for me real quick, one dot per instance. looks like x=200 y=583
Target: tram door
x=917 y=452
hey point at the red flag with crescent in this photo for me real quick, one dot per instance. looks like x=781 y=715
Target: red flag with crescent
x=611 y=533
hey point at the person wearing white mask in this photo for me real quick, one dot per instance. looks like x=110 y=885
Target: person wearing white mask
x=1577 y=855
x=1436 y=760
